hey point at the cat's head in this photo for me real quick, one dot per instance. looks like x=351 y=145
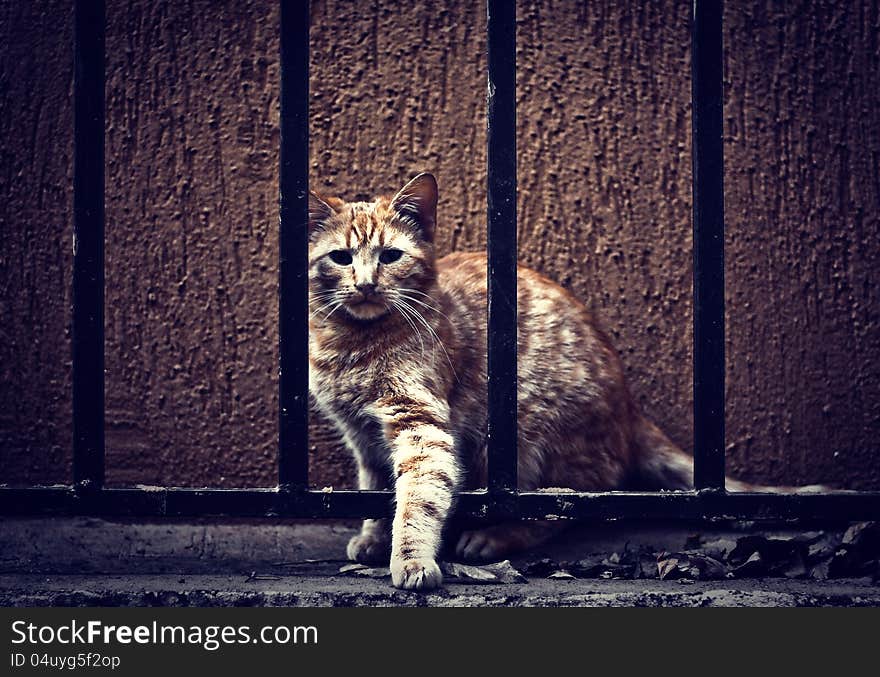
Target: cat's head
x=367 y=257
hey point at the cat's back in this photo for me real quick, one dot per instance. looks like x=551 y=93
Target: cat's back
x=541 y=303
x=462 y=273
x=570 y=383
x=558 y=338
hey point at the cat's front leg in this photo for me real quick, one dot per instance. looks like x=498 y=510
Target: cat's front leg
x=426 y=471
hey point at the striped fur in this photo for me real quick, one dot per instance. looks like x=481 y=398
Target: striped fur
x=398 y=362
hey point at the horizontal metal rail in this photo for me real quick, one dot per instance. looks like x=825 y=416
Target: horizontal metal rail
x=260 y=503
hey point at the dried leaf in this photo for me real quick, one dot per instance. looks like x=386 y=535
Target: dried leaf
x=753 y=566
x=706 y=568
x=495 y=573
x=861 y=532
x=667 y=568
x=864 y=539
x=363 y=570
x=856 y=552
x=351 y=568
x=378 y=572
x=718 y=548
x=692 y=565
x=254 y=576
x=758 y=555
x=541 y=567
x=470 y=573
x=820 y=571
x=745 y=548
x=823 y=547
x=588 y=567
x=505 y=572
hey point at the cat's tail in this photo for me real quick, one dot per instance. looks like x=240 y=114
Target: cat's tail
x=660 y=464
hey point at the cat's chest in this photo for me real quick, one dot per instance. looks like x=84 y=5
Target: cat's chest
x=334 y=392
x=343 y=385
x=346 y=398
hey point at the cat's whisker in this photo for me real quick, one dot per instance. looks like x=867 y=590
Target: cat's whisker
x=330 y=304
x=333 y=310
x=413 y=298
x=426 y=305
x=320 y=308
x=415 y=291
x=435 y=338
x=416 y=323
x=318 y=297
x=433 y=333
x=413 y=326
x=435 y=307
x=323 y=292
x=421 y=293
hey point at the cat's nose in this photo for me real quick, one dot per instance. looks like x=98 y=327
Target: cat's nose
x=366 y=288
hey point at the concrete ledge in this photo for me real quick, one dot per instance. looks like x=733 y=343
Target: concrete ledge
x=94 y=562
x=312 y=591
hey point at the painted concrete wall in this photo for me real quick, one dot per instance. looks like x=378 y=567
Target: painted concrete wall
x=605 y=184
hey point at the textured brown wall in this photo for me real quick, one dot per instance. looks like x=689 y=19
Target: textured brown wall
x=803 y=198
x=604 y=148
x=604 y=176
x=36 y=128
x=191 y=306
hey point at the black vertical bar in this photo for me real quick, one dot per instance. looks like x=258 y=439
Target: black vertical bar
x=502 y=429
x=293 y=330
x=88 y=246
x=708 y=171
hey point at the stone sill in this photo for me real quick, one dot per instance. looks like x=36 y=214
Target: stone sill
x=94 y=562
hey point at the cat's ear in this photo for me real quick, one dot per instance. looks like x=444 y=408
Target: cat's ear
x=320 y=211
x=417 y=203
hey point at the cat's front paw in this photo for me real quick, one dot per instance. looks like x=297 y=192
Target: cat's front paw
x=368 y=548
x=481 y=545
x=415 y=574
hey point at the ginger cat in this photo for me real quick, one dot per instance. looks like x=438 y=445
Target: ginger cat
x=397 y=354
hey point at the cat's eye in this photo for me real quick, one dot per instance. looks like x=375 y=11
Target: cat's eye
x=390 y=256
x=341 y=257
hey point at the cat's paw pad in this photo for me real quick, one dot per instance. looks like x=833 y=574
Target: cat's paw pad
x=481 y=545
x=369 y=549
x=415 y=574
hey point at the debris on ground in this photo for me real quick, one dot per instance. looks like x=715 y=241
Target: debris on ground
x=466 y=572
x=254 y=576
x=817 y=555
x=497 y=573
x=540 y=568
x=505 y=572
x=365 y=571
x=854 y=553
x=690 y=565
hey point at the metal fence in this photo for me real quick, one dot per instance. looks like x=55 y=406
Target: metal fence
x=292 y=497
